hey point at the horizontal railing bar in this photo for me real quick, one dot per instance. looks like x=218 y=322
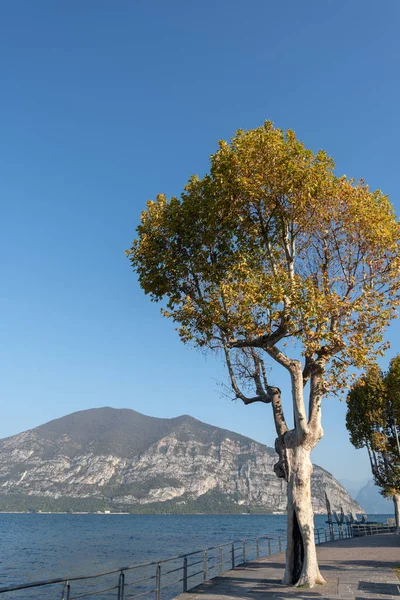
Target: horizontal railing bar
x=215 y=565
x=114 y=587
x=211 y=556
x=169 y=584
x=172 y=571
x=141 y=594
x=135 y=581
x=195 y=563
x=23 y=586
x=194 y=574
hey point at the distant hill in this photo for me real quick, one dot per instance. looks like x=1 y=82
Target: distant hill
x=119 y=459
x=373 y=502
x=353 y=486
x=121 y=432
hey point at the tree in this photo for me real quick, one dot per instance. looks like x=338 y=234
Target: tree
x=271 y=248
x=373 y=415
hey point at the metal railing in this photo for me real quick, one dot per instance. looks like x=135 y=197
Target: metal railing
x=360 y=529
x=171 y=576
x=179 y=573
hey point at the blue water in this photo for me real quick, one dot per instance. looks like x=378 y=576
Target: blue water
x=43 y=546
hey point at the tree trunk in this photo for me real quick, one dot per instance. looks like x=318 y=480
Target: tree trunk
x=301 y=557
x=294 y=464
x=396 y=502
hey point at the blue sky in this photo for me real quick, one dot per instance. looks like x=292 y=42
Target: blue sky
x=104 y=105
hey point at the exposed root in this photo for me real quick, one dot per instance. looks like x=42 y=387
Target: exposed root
x=306 y=581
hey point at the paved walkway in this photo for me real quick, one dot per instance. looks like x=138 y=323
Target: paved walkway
x=355 y=569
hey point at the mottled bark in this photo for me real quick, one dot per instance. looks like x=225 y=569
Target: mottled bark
x=296 y=467
x=294 y=449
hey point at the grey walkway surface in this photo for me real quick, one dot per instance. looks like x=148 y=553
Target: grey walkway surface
x=359 y=568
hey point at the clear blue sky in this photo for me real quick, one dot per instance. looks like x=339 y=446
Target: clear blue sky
x=104 y=105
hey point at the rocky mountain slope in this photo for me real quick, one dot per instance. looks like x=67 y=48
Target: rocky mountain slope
x=122 y=460
x=372 y=500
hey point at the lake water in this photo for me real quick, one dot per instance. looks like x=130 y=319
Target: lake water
x=44 y=546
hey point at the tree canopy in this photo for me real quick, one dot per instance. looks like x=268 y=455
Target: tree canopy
x=272 y=245
x=372 y=420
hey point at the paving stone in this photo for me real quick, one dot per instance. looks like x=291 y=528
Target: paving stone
x=355 y=569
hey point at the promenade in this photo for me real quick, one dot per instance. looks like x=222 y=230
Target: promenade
x=360 y=568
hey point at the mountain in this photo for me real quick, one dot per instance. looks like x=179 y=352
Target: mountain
x=119 y=459
x=353 y=486
x=372 y=501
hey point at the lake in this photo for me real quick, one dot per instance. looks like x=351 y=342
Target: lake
x=44 y=546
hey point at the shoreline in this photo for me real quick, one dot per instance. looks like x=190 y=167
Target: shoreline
x=107 y=513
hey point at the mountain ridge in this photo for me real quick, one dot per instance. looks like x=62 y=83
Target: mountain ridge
x=133 y=461
x=372 y=500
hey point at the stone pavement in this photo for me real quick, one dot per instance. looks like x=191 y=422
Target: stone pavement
x=359 y=568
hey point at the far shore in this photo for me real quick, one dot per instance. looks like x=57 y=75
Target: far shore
x=106 y=513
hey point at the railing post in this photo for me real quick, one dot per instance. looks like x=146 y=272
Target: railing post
x=205 y=565
x=158 y=582
x=233 y=555
x=331 y=531
x=185 y=573
x=121 y=585
x=220 y=559
x=257 y=548
x=325 y=534
x=244 y=550
x=279 y=543
x=66 y=591
x=318 y=538
x=269 y=546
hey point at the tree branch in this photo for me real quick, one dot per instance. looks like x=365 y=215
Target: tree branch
x=317 y=391
x=264 y=341
x=279 y=417
x=308 y=365
x=295 y=369
x=264 y=396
